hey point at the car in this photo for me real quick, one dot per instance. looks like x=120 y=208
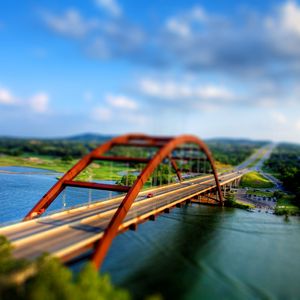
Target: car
x=150 y=195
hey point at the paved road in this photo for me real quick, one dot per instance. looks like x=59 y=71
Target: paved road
x=64 y=234
x=264 y=153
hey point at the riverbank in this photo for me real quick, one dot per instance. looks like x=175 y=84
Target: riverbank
x=285 y=206
x=199 y=245
x=103 y=171
x=97 y=171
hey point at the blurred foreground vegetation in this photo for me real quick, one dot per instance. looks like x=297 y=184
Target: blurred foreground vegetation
x=48 y=279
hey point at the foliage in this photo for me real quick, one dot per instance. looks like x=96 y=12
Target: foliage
x=56 y=148
x=255 y=180
x=230 y=152
x=162 y=175
x=7 y=264
x=61 y=154
x=127 y=180
x=230 y=201
x=286 y=205
x=53 y=281
x=284 y=163
x=233 y=152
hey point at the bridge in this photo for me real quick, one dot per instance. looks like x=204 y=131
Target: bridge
x=88 y=230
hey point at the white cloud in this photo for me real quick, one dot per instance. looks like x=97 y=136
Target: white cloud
x=267 y=102
x=289 y=18
x=173 y=90
x=297 y=125
x=178 y=27
x=121 y=101
x=198 y=14
x=182 y=25
x=99 y=48
x=71 y=23
x=279 y=117
x=101 y=114
x=283 y=26
x=39 y=102
x=6 y=97
x=111 y=6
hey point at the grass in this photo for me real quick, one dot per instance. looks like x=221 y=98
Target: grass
x=105 y=171
x=243 y=205
x=53 y=164
x=231 y=201
x=285 y=206
x=96 y=171
x=255 y=180
x=221 y=167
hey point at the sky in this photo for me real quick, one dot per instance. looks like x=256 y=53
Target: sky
x=223 y=68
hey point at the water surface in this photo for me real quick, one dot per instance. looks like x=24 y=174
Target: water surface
x=196 y=252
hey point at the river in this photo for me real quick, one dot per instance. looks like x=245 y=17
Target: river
x=195 y=252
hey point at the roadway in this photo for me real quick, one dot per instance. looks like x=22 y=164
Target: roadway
x=69 y=233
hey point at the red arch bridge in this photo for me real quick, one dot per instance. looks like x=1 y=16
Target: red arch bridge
x=88 y=230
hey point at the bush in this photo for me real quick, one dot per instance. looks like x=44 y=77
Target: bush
x=53 y=281
x=127 y=180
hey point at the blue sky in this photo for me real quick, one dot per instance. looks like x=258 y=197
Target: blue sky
x=211 y=68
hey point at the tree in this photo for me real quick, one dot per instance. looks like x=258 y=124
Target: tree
x=127 y=180
x=53 y=281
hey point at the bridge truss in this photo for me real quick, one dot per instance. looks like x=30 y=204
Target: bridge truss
x=165 y=148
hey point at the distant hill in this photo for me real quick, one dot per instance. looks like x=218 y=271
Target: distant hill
x=240 y=141
x=101 y=138
x=89 y=137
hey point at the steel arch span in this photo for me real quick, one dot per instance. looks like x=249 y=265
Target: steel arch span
x=165 y=146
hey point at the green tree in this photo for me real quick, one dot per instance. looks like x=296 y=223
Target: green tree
x=53 y=281
x=127 y=180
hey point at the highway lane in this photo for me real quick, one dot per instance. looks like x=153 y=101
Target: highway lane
x=84 y=228
x=28 y=228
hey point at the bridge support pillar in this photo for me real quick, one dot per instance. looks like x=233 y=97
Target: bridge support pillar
x=152 y=218
x=133 y=227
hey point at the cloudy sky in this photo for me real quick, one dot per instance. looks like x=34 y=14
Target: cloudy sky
x=221 y=68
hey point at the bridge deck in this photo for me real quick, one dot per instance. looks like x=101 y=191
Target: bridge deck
x=68 y=233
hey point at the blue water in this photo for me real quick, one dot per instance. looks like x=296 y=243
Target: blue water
x=23 y=187
x=196 y=252
x=15 y=169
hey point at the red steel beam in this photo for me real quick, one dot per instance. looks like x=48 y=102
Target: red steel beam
x=122 y=159
x=103 y=245
x=166 y=147
x=140 y=145
x=97 y=186
x=41 y=206
x=174 y=165
x=189 y=158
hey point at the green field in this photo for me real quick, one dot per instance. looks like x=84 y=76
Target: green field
x=255 y=180
x=105 y=171
x=98 y=171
